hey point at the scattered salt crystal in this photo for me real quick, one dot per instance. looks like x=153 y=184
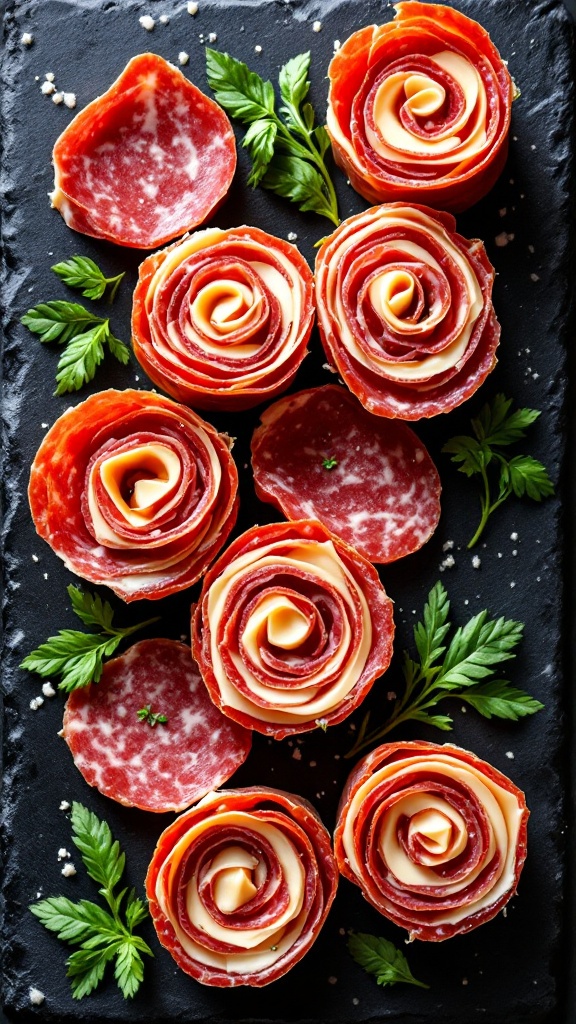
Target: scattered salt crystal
x=476 y=561
x=504 y=911
x=503 y=211
x=47 y=88
x=69 y=100
x=64 y=805
x=514 y=536
x=464 y=981
x=68 y=870
x=27 y=39
x=535 y=376
x=448 y=563
x=531 y=248
x=332 y=980
x=512 y=584
x=63 y=853
x=534 y=277
x=49 y=76
x=292 y=236
x=183 y=57
x=503 y=238
x=45 y=575
x=532 y=146
x=147 y=22
x=448 y=545
x=337 y=45
x=36 y=996
x=515 y=551
x=317 y=26
x=258 y=48
x=164 y=19
x=36 y=703
x=355 y=1002
x=192 y=8
x=58 y=97
x=48 y=690
x=35 y=557
x=510 y=755
x=341 y=931
x=212 y=37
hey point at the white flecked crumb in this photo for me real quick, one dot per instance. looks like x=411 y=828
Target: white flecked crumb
x=192 y=8
x=510 y=755
x=534 y=277
x=147 y=22
x=532 y=146
x=63 y=853
x=69 y=100
x=535 y=376
x=317 y=26
x=531 y=249
x=512 y=584
x=500 y=554
x=297 y=754
x=68 y=870
x=476 y=562
x=515 y=551
x=503 y=238
x=337 y=45
x=514 y=536
x=64 y=805
x=448 y=545
x=27 y=39
x=464 y=981
x=292 y=236
x=355 y=1001
x=58 y=97
x=183 y=57
x=45 y=575
x=48 y=690
x=164 y=19
x=258 y=48
x=36 y=703
x=36 y=996
x=212 y=37
x=504 y=911
x=35 y=557
x=466 y=601
x=463 y=710
x=47 y=88
x=49 y=76
x=448 y=563
x=332 y=980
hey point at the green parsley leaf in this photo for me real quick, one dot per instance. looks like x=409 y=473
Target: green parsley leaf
x=381 y=958
x=287 y=151
x=146 y=714
x=83 y=273
x=59 y=321
x=462 y=668
x=101 y=935
x=75 y=656
x=329 y=462
x=495 y=428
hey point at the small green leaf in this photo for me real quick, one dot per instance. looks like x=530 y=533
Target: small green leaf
x=91 y=608
x=529 y=477
x=146 y=715
x=471 y=455
x=296 y=179
x=73 y=922
x=102 y=857
x=118 y=349
x=83 y=273
x=128 y=969
x=381 y=958
x=499 y=699
x=329 y=462
x=81 y=357
x=293 y=79
x=59 y=321
x=241 y=92
x=259 y=140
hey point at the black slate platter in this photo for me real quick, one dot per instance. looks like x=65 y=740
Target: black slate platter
x=514 y=968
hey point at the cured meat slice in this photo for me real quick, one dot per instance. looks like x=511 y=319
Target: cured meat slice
x=134 y=491
x=240 y=885
x=319 y=454
x=405 y=310
x=434 y=837
x=160 y=767
x=221 y=319
x=292 y=628
x=145 y=162
x=419 y=108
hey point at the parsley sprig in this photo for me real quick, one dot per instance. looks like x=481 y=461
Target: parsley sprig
x=84 y=335
x=461 y=668
x=381 y=958
x=287 y=151
x=83 y=273
x=101 y=935
x=78 y=657
x=150 y=717
x=495 y=428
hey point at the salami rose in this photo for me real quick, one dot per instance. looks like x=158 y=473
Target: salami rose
x=405 y=310
x=145 y=162
x=434 y=837
x=419 y=108
x=163 y=765
x=221 y=319
x=292 y=628
x=239 y=886
x=134 y=491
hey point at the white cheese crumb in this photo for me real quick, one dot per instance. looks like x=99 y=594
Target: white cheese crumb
x=36 y=996
x=503 y=238
x=35 y=557
x=147 y=22
x=535 y=376
x=500 y=554
x=68 y=870
x=297 y=755
x=292 y=236
x=531 y=249
x=332 y=980
x=47 y=88
x=337 y=45
x=183 y=57
x=164 y=19
x=27 y=39
x=510 y=755
x=212 y=37
x=63 y=853
x=58 y=97
x=534 y=277
x=448 y=563
x=448 y=545
x=463 y=710
x=258 y=48
x=48 y=690
x=36 y=703
x=45 y=575
x=49 y=76
x=341 y=931
x=69 y=100
x=192 y=8
x=476 y=561
x=466 y=601
x=355 y=1001
x=64 y=805
x=515 y=551
x=317 y=26
x=512 y=584
x=514 y=536
x=532 y=146
x=464 y=981
x=504 y=911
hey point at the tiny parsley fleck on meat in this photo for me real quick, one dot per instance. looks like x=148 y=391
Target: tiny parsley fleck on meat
x=458 y=669
x=522 y=475
x=101 y=935
x=83 y=273
x=329 y=462
x=287 y=152
x=76 y=656
x=84 y=336
x=380 y=957
x=148 y=716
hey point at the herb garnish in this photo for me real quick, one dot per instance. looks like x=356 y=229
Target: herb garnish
x=102 y=936
x=146 y=714
x=329 y=462
x=84 y=335
x=76 y=656
x=521 y=475
x=287 y=153
x=83 y=273
x=459 y=669
x=380 y=957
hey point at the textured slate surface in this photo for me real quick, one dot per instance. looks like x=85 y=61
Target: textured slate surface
x=514 y=968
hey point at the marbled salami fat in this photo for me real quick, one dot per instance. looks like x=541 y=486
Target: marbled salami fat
x=146 y=161
x=161 y=767
x=319 y=455
x=434 y=837
x=240 y=885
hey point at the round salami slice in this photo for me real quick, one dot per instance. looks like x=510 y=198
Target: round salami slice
x=131 y=755
x=318 y=454
x=434 y=837
x=146 y=161
x=240 y=886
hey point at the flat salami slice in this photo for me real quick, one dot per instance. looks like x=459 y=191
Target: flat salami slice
x=405 y=310
x=221 y=319
x=419 y=108
x=134 y=491
x=160 y=767
x=145 y=162
x=240 y=886
x=292 y=629
x=318 y=454
x=434 y=837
